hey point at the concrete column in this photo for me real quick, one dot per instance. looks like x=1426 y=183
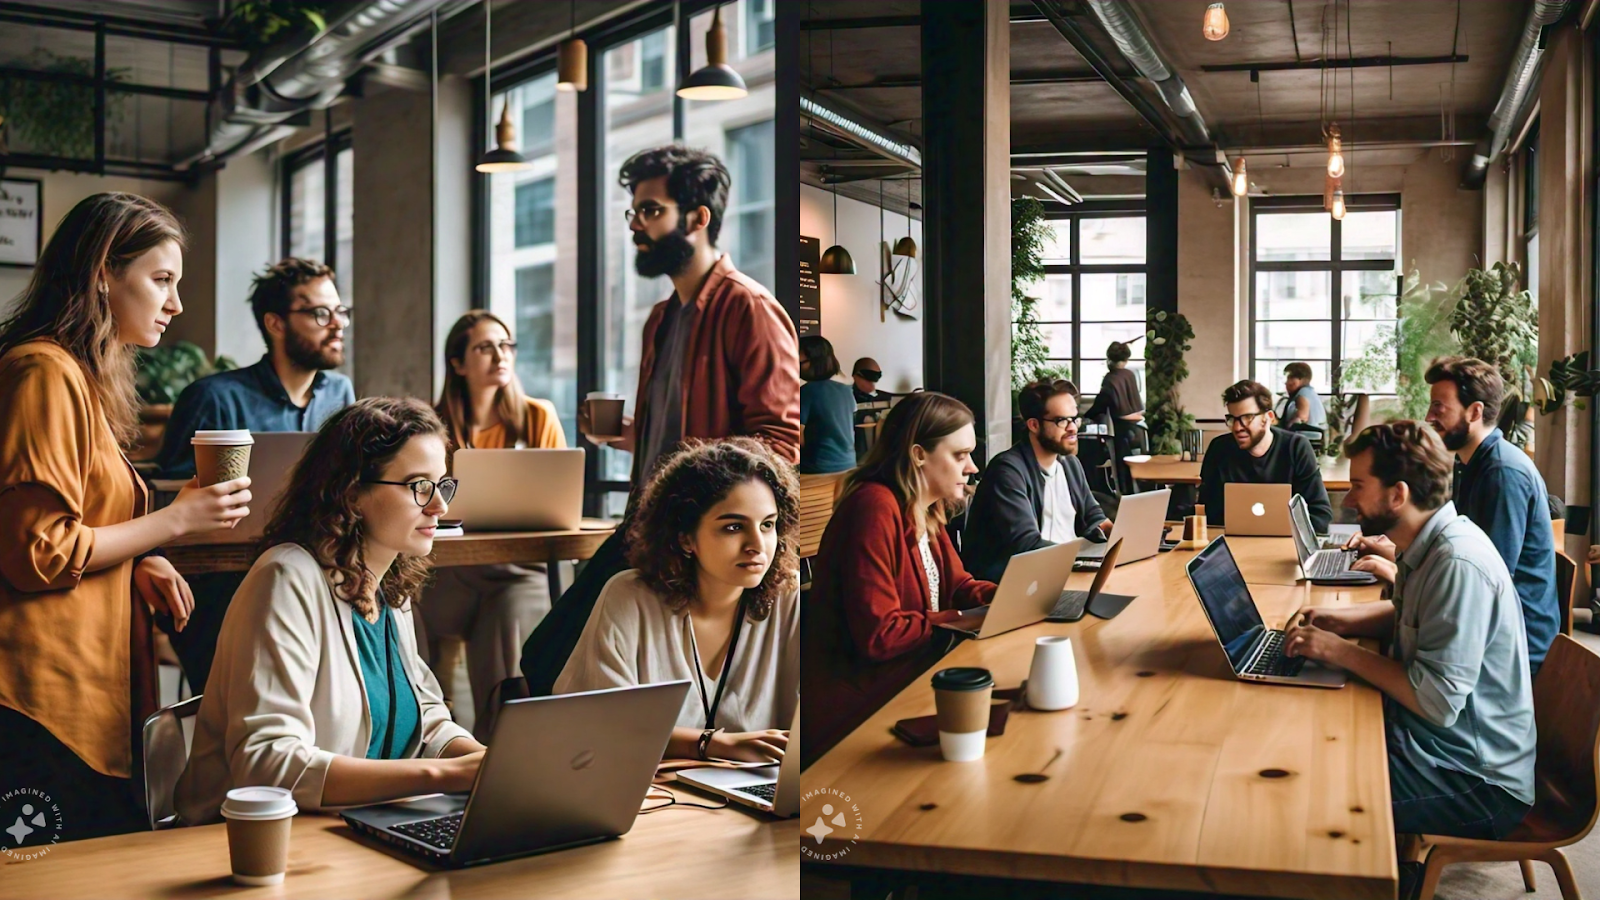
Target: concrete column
x=1205 y=292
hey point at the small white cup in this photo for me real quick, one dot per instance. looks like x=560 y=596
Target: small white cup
x=1053 y=677
x=964 y=746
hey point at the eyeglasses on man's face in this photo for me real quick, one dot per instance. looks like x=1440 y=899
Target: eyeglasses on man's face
x=506 y=348
x=1063 y=421
x=323 y=315
x=648 y=212
x=422 y=489
x=1247 y=419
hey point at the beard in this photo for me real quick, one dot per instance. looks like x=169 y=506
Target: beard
x=1254 y=440
x=308 y=354
x=1454 y=438
x=1059 y=448
x=1377 y=522
x=666 y=255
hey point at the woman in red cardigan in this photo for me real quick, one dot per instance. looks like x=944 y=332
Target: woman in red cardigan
x=886 y=572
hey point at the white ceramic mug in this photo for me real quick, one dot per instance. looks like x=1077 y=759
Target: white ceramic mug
x=1053 y=677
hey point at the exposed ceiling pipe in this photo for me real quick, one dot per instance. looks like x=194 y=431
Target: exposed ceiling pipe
x=866 y=136
x=306 y=72
x=1521 y=79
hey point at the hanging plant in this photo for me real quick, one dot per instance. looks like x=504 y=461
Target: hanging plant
x=260 y=23
x=1169 y=335
x=1498 y=324
x=56 y=118
x=1029 y=235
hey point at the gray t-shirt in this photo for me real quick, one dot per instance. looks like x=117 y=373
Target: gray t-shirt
x=663 y=425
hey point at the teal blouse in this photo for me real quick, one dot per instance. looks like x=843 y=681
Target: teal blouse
x=381 y=666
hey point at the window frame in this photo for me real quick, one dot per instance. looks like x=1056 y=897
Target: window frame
x=326 y=152
x=1335 y=265
x=1077 y=269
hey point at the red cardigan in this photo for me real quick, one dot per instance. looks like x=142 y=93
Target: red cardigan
x=867 y=630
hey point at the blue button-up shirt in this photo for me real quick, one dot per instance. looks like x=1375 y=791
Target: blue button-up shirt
x=1502 y=492
x=252 y=398
x=1458 y=632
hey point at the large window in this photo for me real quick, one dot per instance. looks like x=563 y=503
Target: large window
x=1322 y=290
x=1093 y=293
x=316 y=205
x=747 y=228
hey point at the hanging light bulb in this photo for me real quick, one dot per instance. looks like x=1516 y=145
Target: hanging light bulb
x=836 y=260
x=1241 y=180
x=1215 y=26
x=572 y=57
x=716 y=80
x=1335 y=153
x=1338 y=204
x=504 y=157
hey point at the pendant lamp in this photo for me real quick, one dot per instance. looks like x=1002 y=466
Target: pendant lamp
x=715 y=80
x=1241 y=179
x=1335 y=152
x=504 y=157
x=1215 y=24
x=836 y=259
x=906 y=246
x=572 y=59
x=1338 y=204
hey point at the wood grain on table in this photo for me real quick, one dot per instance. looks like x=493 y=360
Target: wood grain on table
x=1172 y=775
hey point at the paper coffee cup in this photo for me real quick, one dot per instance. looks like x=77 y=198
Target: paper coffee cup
x=259 y=821
x=221 y=455
x=961 y=698
x=605 y=413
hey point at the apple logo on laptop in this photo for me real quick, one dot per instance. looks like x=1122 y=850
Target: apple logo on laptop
x=1258 y=509
x=1033 y=588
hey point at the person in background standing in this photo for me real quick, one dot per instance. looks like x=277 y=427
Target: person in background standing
x=1119 y=396
x=827 y=411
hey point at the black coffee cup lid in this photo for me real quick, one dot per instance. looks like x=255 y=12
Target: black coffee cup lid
x=962 y=679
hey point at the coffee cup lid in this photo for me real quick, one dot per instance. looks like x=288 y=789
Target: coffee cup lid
x=962 y=679
x=229 y=438
x=603 y=395
x=259 y=803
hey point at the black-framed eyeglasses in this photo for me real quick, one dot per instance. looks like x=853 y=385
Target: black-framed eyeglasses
x=1064 y=421
x=1247 y=419
x=647 y=213
x=506 y=348
x=324 y=314
x=422 y=489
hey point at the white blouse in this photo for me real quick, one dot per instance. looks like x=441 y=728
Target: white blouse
x=633 y=638
x=930 y=567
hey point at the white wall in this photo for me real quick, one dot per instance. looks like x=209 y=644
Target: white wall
x=851 y=312
x=247 y=242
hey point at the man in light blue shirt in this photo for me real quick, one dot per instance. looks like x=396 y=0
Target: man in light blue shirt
x=1458 y=709
x=1302 y=406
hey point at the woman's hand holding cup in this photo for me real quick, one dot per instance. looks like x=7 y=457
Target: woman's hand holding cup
x=213 y=508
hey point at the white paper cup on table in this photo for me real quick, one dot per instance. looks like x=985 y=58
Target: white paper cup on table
x=221 y=455
x=605 y=413
x=961 y=698
x=259 y=821
x=1053 y=677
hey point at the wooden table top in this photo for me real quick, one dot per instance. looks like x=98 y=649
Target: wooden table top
x=678 y=852
x=226 y=552
x=1171 y=775
x=1335 y=472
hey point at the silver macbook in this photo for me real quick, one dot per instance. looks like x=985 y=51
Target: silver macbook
x=560 y=771
x=773 y=789
x=272 y=461
x=1255 y=653
x=1028 y=592
x=1141 y=519
x=518 y=490
x=1322 y=566
x=1261 y=510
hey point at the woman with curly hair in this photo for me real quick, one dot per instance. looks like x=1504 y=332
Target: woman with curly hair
x=317 y=685
x=712 y=598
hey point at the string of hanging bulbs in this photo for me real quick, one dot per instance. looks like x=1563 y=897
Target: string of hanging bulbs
x=1333 y=191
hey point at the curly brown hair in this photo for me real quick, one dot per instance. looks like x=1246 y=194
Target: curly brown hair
x=318 y=508
x=684 y=488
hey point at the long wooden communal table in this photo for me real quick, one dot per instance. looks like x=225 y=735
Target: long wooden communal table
x=680 y=852
x=1335 y=472
x=1171 y=774
x=223 y=552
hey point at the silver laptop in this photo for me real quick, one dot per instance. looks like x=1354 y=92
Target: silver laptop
x=518 y=490
x=1028 y=592
x=272 y=460
x=560 y=771
x=1255 y=653
x=1260 y=510
x=1322 y=566
x=773 y=789
x=1140 y=522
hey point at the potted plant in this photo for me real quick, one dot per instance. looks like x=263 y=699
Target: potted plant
x=163 y=372
x=1169 y=334
x=57 y=117
x=1499 y=324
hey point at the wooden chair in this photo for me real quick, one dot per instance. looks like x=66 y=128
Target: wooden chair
x=1566 y=588
x=817 y=496
x=1566 y=706
x=165 y=756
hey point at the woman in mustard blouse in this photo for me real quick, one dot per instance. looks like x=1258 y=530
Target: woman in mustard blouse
x=77 y=665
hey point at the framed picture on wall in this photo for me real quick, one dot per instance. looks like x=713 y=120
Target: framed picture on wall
x=21 y=222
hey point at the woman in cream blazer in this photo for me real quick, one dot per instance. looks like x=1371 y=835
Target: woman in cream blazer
x=317 y=686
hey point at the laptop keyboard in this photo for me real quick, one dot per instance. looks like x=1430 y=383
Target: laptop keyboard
x=766 y=791
x=1271 y=660
x=440 y=832
x=1329 y=563
x=1070 y=607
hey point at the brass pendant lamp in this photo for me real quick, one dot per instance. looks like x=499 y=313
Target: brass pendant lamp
x=504 y=157
x=715 y=80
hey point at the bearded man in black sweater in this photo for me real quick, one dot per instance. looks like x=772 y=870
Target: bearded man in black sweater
x=1257 y=452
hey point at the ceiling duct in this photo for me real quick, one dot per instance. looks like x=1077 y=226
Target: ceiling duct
x=869 y=138
x=1521 y=79
x=306 y=72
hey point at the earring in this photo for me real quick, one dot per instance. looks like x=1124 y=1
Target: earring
x=103 y=289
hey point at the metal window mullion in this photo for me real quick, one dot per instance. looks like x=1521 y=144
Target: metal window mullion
x=1336 y=301
x=1074 y=249
x=591 y=259
x=330 y=195
x=100 y=96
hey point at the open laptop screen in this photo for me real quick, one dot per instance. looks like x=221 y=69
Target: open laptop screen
x=1305 y=536
x=1221 y=588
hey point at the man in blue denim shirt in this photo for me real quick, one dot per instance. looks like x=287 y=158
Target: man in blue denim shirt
x=297 y=308
x=1458 y=705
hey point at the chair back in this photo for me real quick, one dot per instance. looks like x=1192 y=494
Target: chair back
x=1566 y=708
x=817 y=496
x=1566 y=588
x=165 y=755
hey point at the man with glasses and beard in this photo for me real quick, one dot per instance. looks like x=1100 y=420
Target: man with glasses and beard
x=291 y=388
x=1255 y=451
x=720 y=358
x=1034 y=494
x=1496 y=486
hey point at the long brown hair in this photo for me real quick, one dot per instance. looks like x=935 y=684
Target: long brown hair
x=922 y=419
x=683 y=488
x=98 y=238
x=455 y=400
x=318 y=509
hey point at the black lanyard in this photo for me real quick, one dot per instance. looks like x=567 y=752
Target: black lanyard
x=711 y=708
